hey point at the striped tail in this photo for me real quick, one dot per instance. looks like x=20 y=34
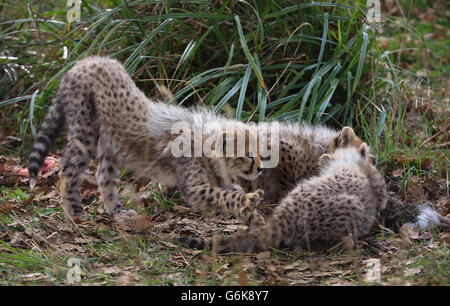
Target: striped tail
x=193 y=243
x=241 y=241
x=45 y=138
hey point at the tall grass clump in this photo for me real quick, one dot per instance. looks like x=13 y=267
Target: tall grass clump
x=255 y=60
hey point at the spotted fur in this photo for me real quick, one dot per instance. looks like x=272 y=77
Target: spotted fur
x=108 y=115
x=300 y=147
x=342 y=202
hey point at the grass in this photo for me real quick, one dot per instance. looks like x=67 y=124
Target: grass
x=110 y=254
x=315 y=62
x=260 y=59
x=254 y=61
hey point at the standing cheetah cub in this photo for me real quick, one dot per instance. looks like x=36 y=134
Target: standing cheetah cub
x=108 y=115
x=321 y=211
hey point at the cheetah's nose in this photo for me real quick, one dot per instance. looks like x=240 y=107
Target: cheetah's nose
x=259 y=169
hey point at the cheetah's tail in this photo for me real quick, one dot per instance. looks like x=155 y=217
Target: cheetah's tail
x=428 y=217
x=46 y=137
x=193 y=243
x=242 y=241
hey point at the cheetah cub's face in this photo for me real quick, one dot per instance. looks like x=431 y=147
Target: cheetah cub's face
x=248 y=168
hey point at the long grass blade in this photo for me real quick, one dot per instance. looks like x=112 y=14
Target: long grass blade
x=247 y=53
x=242 y=92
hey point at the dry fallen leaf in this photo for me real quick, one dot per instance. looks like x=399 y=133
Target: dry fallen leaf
x=404 y=241
x=263 y=255
x=6 y=207
x=445 y=237
x=68 y=247
x=32 y=276
x=169 y=244
x=397 y=172
x=114 y=270
x=18 y=240
x=126 y=279
x=295 y=265
x=143 y=223
x=415 y=192
x=409 y=233
x=412 y=271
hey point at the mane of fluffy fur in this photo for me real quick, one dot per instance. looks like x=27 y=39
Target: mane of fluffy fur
x=320 y=135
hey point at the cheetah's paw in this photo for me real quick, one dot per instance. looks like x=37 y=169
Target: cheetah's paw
x=252 y=200
x=80 y=218
x=75 y=213
x=124 y=214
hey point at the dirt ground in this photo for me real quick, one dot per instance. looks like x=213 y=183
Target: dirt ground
x=37 y=241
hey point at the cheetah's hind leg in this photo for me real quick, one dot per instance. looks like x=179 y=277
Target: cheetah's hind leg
x=107 y=178
x=75 y=160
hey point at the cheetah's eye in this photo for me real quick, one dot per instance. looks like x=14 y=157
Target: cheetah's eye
x=242 y=161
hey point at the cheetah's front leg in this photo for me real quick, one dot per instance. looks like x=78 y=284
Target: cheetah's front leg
x=241 y=205
x=199 y=192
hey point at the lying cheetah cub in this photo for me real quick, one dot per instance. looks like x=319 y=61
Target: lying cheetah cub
x=300 y=147
x=107 y=114
x=343 y=199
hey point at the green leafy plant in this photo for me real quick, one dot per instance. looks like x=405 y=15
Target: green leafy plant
x=268 y=60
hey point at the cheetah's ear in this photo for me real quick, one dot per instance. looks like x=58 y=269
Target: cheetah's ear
x=324 y=159
x=347 y=136
x=364 y=151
